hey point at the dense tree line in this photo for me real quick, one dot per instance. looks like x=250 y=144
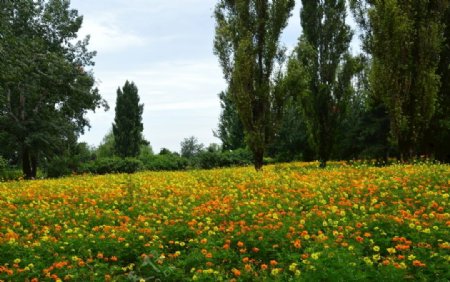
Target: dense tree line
x=391 y=100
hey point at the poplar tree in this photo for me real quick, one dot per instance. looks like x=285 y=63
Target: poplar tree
x=323 y=52
x=127 y=126
x=247 y=44
x=404 y=39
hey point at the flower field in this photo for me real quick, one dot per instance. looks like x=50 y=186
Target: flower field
x=292 y=222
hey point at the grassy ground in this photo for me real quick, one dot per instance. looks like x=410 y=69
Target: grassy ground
x=292 y=222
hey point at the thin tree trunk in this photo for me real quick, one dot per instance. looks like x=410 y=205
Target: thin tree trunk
x=33 y=162
x=26 y=164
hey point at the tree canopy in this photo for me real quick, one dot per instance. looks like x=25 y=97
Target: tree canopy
x=247 y=45
x=46 y=87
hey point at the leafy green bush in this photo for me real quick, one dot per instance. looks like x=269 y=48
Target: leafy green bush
x=3 y=163
x=112 y=165
x=208 y=159
x=165 y=162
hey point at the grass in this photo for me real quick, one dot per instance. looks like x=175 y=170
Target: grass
x=291 y=222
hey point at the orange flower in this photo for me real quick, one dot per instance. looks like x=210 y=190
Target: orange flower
x=248 y=267
x=204 y=241
x=297 y=244
x=264 y=266
x=113 y=258
x=245 y=260
x=100 y=255
x=236 y=272
x=226 y=246
x=255 y=250
x=240 y=244
x=418 y=263
x=273 y=262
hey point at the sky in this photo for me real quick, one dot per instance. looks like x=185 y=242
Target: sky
x=166 y=49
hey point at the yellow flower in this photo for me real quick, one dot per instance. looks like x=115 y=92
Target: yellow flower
x=293 y=267
x=17 y=260
x=376 y=248
x=315 y=256
x=391 y=250
x=275 y=271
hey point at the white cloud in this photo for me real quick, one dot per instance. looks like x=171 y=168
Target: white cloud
x=107 y=36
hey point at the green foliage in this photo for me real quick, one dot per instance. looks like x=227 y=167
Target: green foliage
x=247 y=44
x=128 y=127
x=323 y=53
x=165 y=162
x=46 y=87
x=3 y=163
x=106 y=147
x=217 y=159
x=405 y=42
x=112 y=165
x=230 y=130
x=438 y=134
x=190 y=147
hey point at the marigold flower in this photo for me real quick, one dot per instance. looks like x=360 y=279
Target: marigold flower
x=418 y=263
x=273 y=262
x=264 y=266
x=236 y=272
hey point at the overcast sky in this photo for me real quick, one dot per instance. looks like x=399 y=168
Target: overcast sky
x=166 y=48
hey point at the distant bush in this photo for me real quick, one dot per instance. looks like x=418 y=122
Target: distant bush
x=111 y=165
x=167 y=161
x=213 y=159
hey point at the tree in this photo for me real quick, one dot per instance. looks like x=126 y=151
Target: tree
x=405 y=40
x=292 y=140
x=230 y=131
x=323 y=52
x=247 y=44
x=128 y=127
x=45 y=87
x=190 y=147
x=438 y=134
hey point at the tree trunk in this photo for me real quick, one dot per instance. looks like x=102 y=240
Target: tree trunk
x=26 y=164
x=258 y=159
x=33 y=162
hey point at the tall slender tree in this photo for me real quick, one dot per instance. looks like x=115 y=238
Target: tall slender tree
x=247 y=44
x=128 y=127
x=45 y=85
x=323 y=51
x=404 y=39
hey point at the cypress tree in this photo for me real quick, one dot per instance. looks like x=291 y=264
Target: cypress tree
x=127 y=126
